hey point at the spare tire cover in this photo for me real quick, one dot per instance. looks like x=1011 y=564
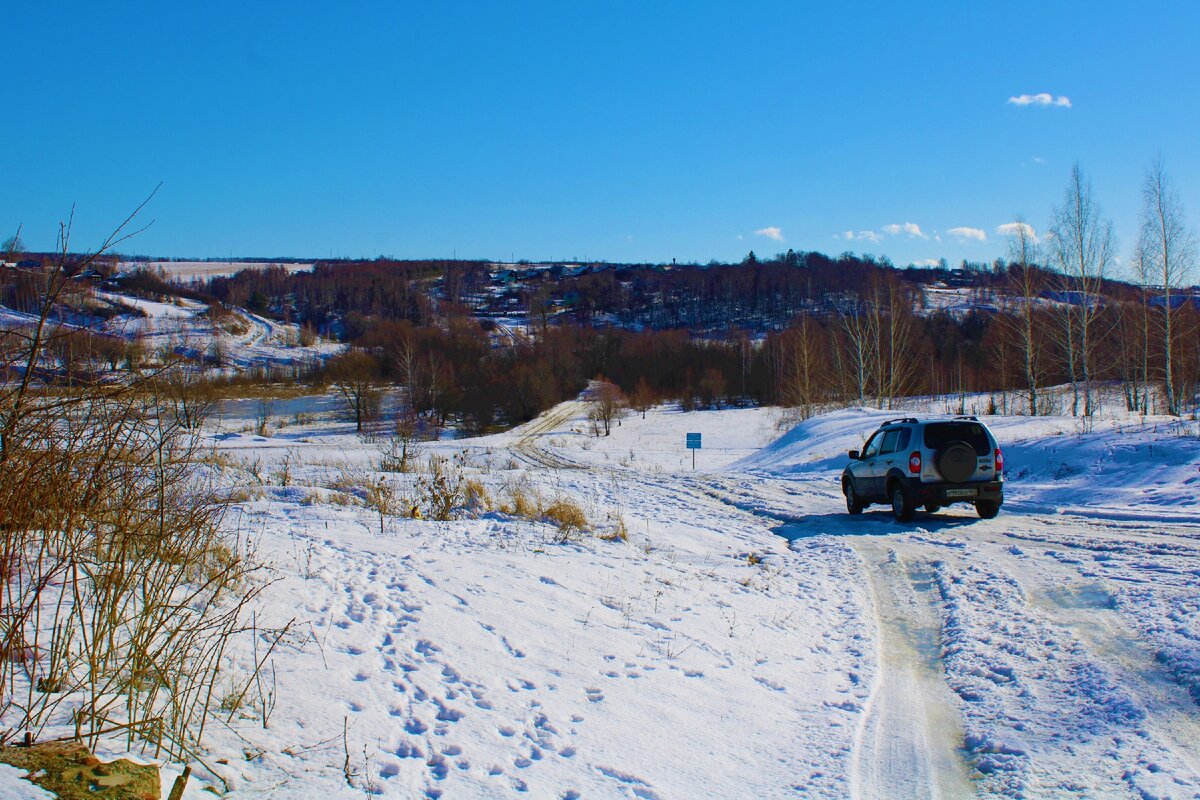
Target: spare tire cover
x=957 y=461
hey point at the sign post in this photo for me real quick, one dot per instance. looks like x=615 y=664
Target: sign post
x=693 y=444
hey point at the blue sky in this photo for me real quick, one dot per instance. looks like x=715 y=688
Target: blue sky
x=622 y=131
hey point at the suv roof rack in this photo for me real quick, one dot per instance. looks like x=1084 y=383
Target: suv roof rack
x=968 y=416
x=912 y=420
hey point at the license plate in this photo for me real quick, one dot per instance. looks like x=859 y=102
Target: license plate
x=961 y=492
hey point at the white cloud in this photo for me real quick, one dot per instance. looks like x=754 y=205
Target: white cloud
x=866 y=236
x=1039 y=160
x=1040 y=99
x=911 y=228
x=968 y=233
x=1012 y=228
x=771 y=232
x=927 y=262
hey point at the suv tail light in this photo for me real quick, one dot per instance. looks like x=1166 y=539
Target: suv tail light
x=999 y=461
x=914 y=462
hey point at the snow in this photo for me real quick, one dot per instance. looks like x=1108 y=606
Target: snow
x=13 y=787
x=750 y=639
x=201 y=270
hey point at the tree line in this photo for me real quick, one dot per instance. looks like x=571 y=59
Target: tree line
x=797 y=329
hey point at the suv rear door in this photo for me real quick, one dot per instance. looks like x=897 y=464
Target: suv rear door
x=970 y=432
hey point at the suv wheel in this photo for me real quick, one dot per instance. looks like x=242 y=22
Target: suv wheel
x=902 y=506
x=853 y=504
x=987 y=509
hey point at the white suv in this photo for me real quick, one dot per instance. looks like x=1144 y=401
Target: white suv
x=931 y=462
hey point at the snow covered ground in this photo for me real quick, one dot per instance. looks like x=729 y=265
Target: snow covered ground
x=243 y=340
x=750 y=639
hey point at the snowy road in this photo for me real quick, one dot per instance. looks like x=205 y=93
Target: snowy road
x=1103 y=697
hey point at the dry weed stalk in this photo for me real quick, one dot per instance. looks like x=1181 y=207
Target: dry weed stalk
x=121 y=591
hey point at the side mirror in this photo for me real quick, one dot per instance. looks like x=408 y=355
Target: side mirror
x=853 y=455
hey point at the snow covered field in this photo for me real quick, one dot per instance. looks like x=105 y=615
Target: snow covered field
x=750 y=639
x=202 y=270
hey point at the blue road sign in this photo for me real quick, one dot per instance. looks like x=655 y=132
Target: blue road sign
x=693 y=441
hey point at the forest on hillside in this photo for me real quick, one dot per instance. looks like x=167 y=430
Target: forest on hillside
x=799 y=329
x=482 y=345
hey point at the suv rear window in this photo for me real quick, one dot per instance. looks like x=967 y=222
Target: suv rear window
x=939 y=434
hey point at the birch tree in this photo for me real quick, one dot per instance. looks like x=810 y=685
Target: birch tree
x=857 y=343
x=1082 y=249
x=1025 y=283
x=1166 y=250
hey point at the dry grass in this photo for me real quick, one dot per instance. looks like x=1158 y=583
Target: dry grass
x=522 y=503
x=476 y=497
x=566 y=515
x=619 y=531
x=122 y=590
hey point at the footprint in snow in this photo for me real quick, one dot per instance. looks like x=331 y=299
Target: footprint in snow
x=446 y=713
x=406 y=750
x=427 y=648
x=594 y=695
x=437 y=767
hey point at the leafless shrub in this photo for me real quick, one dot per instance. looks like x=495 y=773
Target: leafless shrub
x=183 y=390
x=264 y=414
x=382 y=496
x=441 y=486
x=121 y=592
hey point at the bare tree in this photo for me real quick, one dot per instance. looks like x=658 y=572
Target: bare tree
x=892 y=321
x=1082 y=249
x=1167 y=251
x=858 y=347
x=354 y=376
x=1025 y=284
x=1136 y=346
x=643 y=398
x=800 y=367
x=606 y=407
